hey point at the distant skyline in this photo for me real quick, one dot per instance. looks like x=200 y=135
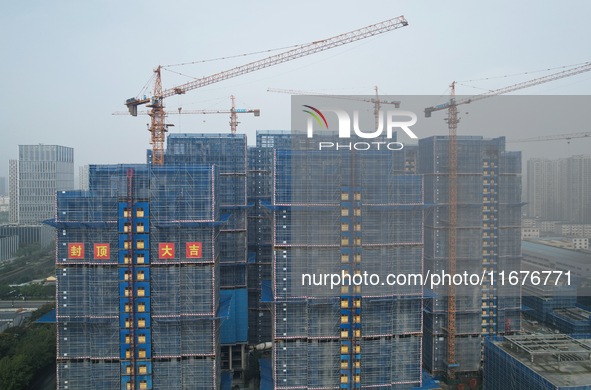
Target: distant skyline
x=69 y=65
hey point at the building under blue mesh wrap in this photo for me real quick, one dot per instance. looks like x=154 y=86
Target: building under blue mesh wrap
x=137 y=264
x=228 y=153
x=345 y=212
x=488 y=239
x=260 y=228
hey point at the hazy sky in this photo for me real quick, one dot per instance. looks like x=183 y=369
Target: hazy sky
x=67 y=65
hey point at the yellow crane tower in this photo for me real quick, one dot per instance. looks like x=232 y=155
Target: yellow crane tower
x=452 y=123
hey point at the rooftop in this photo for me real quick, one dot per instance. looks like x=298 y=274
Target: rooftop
x=558 y=358
x=578 y=260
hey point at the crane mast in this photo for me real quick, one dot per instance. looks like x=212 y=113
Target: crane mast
x=452 y=123
x=156 y=103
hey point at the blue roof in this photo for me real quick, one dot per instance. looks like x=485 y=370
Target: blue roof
x=47 y=318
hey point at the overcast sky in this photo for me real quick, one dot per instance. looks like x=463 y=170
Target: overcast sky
x=67 y=65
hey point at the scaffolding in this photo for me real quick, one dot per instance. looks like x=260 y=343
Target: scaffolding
x=346 y=212
x=138 y=278
x=260 y=229
x=228 y=153
x=488 y=239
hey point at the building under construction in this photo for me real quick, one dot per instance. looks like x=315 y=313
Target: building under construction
x=151 y=267
x=488 y=239
x=345 y=213
x=260 y=229
x=228 y=152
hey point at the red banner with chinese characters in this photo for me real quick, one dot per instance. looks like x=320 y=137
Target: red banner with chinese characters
x=76 y=250
x=193 y=250
x=166 y=250
x=102 y=251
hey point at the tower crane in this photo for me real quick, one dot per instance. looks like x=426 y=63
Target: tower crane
x=554 y=137
x=377 y=102
x=156 y=102
x=452 y=123
x=233 y=111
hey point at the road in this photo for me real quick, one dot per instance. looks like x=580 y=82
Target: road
x=19 y=303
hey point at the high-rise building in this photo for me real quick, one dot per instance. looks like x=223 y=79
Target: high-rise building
x=557 y=190
x=170 y=319
x=3 y=188
x=40 y=171
x=13 y=191
x=260 y=230
x=345 y=213
x=228 y=152
x=83 y=178
x=488 y=239
x=575 y=185
x=543 y=189
x=138 y=300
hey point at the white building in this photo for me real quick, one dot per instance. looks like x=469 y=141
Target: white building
x=39 y=173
